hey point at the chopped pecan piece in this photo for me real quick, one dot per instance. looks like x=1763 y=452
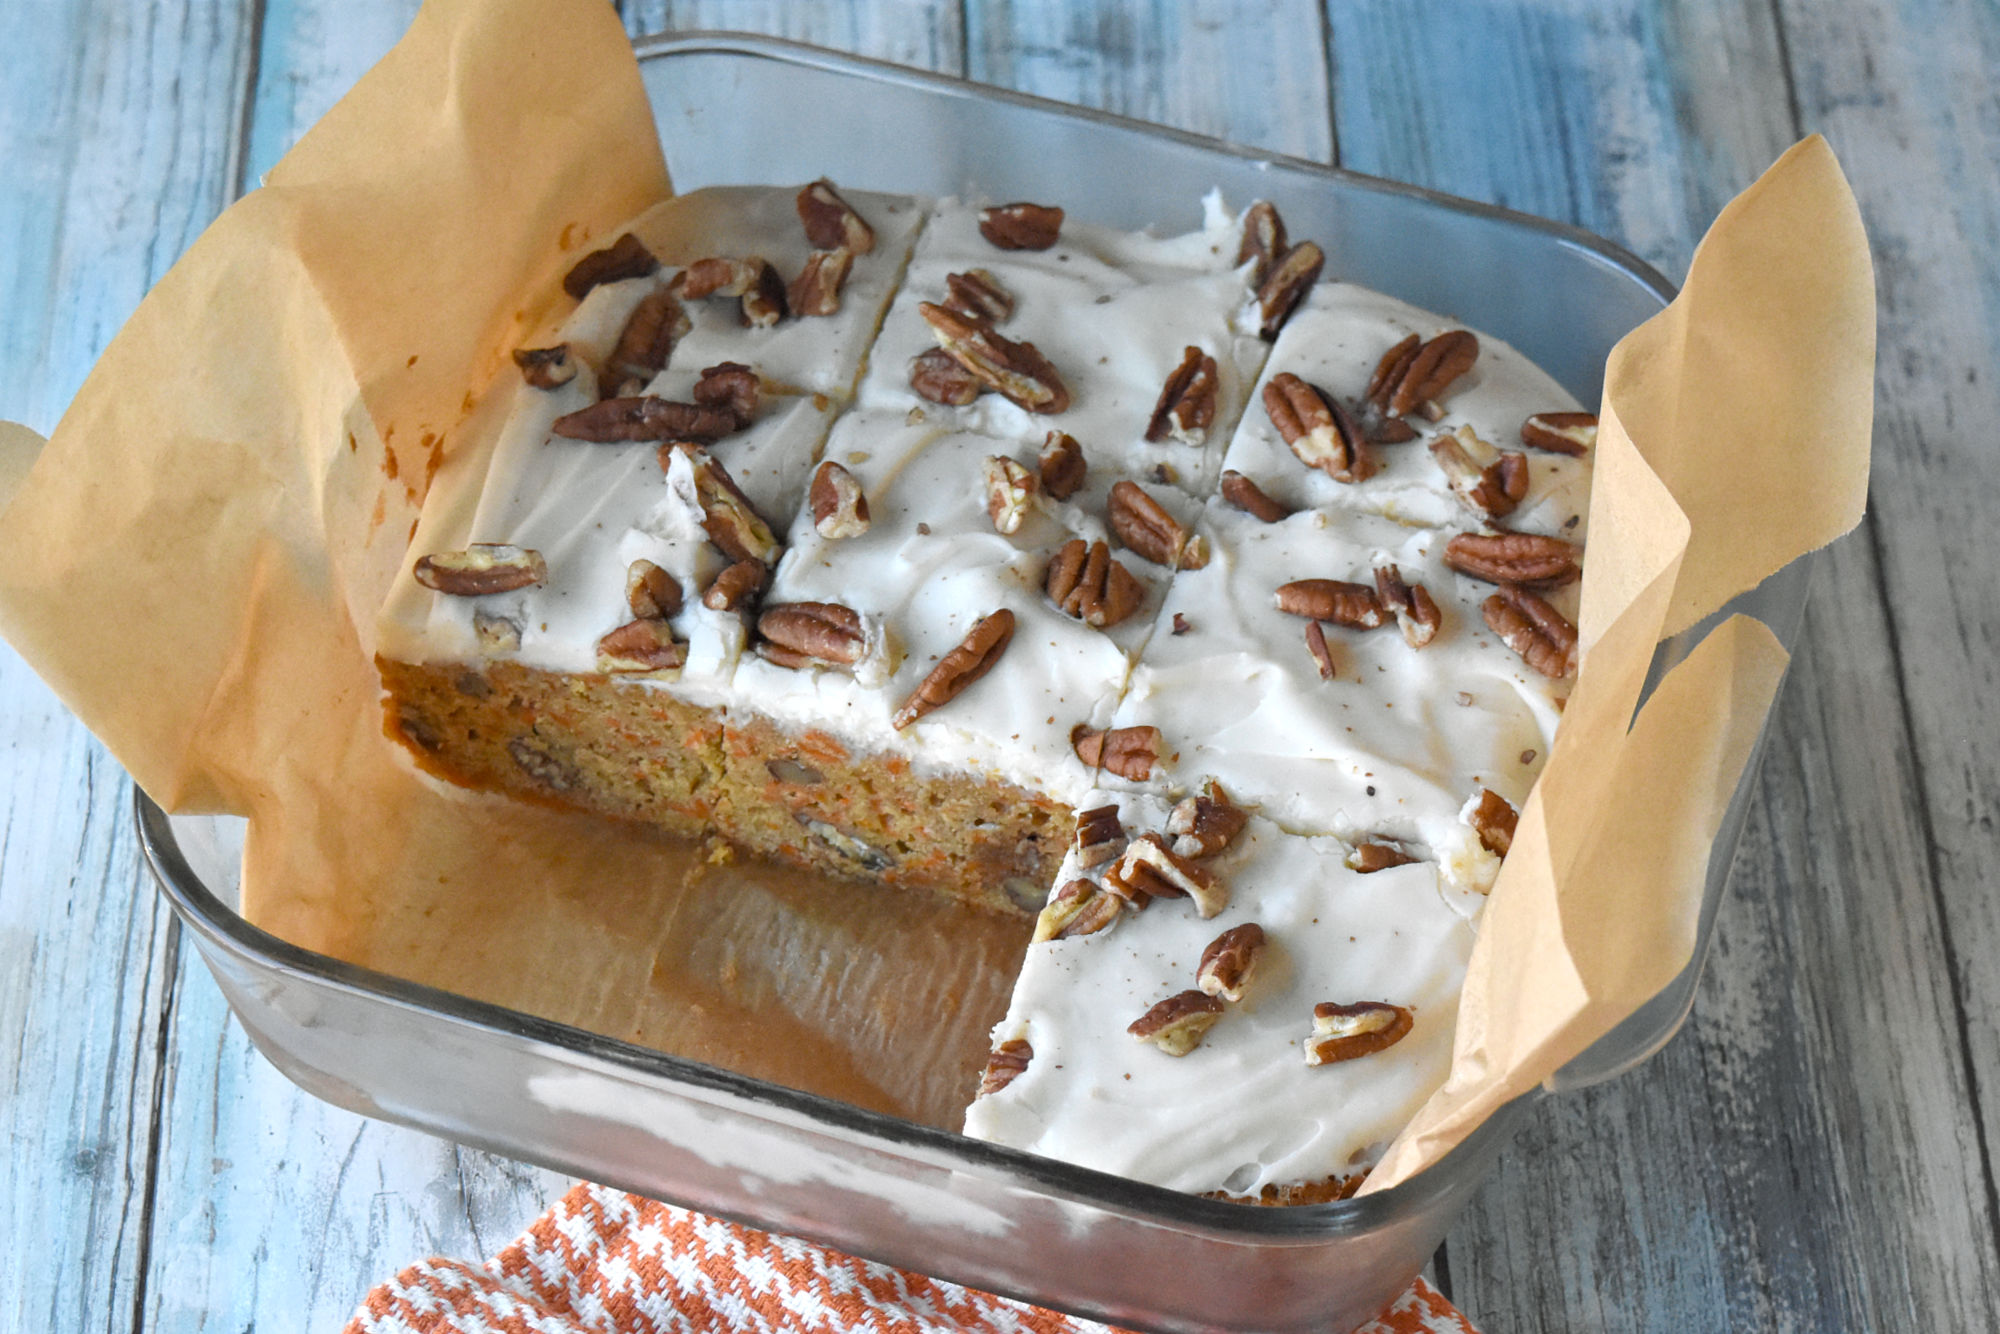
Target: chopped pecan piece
x=1336 y=600
x=1415 y=610
x=1145 y=527
x=627 y=257
x=839 y=508
x=1263 y=241
x=719 y=275
x=1513 y=558
x=1374 y=855
x=1494 y=490
x=978 y=295
x=1494 y=818
x=1573 y=433
x=645 y=344
x=1382 y=430
x=1414 y=372
x=764 y=304
x=831 y=222
x=620 y=419
x=1010 y=493
x=1531 y=627
x=1004 y=1064
x=1289 y=280
x=973 y=657
x=1063 y=466
x=737 y=586
x=651 y=592
x=644 y=645
x=1087 y=583
x=1178 y=1024
x=726 y=513
x=1129 y=752
x=732 y=386
x=816 y=291
x=496 y=634
x=1206 y=823
x=1016 y=371
x=937 y=376
x=546 y=367
x=1021 y=226
x=1150 y=869
x=811 y=634
x=1079 y=908
x=1186 y=406
x=1322 y=653
x=1100 y=836
x=1343 y=1032
x=1317 y=428
x=1247 y=496
x=1230 y=961
x=482 y=568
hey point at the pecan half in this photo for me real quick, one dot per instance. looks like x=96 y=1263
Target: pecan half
x=1514 y=558
x=839 y=508
x=1010 y=493
x=651 y=592
x=645 y=344
x=764 y=304
x=726 y=513
x=1389 y=371
x=644 y=418
x=1129 y=752
x=1150 y=869
x=1336 y=600
x=1572 y=433
x=1531 y=627
x=1344 y=1032
x=1495 y=490
x=1415 y=610
x=1494 y=819
x=1415 y=372
x=1100 y=836
x=1322 y=653
x=644 y=645
x=737 y=586
x=627 y=257
x=1289 y=280
x=937 y=376
x=1063 y=466
x=1206 y=823
x=1374 y=855
x=1149 y=531
x=973 y=657
x=1263 y=241
x=831 y=222
x=812 y=633
x=1079 y=908
x=978 y=295
x=1087 y=583
x=1186 y=406
x=729 y=385
x=1016 y=371
x=1005 y=1063
x=719 y=275
x=1178 y=1024
x=482 y=568
x=1021 y=226
x=1230 y=961
x=546 y=367
x=1316 y=428
x=1247 y=496
x=816 y=291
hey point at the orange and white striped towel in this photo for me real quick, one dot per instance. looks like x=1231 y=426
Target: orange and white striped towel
x=602 y=1262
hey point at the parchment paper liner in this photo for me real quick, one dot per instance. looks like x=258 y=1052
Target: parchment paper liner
x=194 y=561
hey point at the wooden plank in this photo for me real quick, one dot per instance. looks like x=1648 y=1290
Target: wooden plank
x=928 y=34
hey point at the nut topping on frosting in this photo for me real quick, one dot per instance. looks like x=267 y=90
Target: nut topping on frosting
x=1079 y=908
x=1317 y=428
x=1414 y=373
x=1150 y=869
x=1178 y=1024
x=816 y=291
x=1144 y=526
x=1263 y=240
x=627 y=257
x=1494 y=490
x=1063 y=466
x=811 y=634
x=1513 y=558
x=1494 y=819
x=1016 y=371
x=1230 y=961
x=764 y=304
x=1005 y=1062
x=1085 y=582
x=1416 y=612
x=651 y=592
x=1321 y=652
x=496 y=634
x=644 y=645
x=482 y=568
x=1129 y=752
x=1531 y=627
x=645 y=418
x=732 y=386
x=1247 y=496
x=1375 y=855
x=971 y=659
x=1290 y=279
x=1186 y=407
x=937 y=376
x=1206 y=823
x=1344 y=1032
x=546 y=367
x=1021 y=226
x=839 y=508
x=1010 y=493
x=978 y=295
x=1100 y=836
x=1572 y=433
x=1336 y=600
x=726 y=513
x=737 y=586
x=644 y=345
x=719 y=275
x=831 y=222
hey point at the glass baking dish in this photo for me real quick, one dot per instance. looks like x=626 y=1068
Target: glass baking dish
x=735 y=109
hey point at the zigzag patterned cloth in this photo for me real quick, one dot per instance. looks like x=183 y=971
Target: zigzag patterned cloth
x=602 y=1262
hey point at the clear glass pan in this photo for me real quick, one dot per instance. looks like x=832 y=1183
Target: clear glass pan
x=736 y=109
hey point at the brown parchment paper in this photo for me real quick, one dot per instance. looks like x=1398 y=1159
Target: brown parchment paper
x=195 y=559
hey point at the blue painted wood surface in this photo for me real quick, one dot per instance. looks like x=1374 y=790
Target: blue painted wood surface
x=1813 y=1154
